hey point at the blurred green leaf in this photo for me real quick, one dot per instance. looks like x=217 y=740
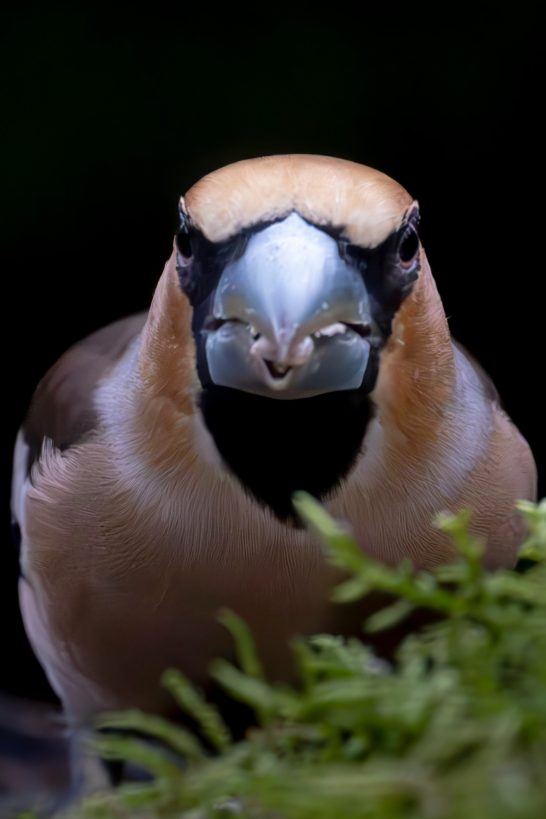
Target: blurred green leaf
x=191 y=701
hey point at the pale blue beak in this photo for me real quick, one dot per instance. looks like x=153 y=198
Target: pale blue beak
x=290 y=315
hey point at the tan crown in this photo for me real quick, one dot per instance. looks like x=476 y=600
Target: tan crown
x=366 y=204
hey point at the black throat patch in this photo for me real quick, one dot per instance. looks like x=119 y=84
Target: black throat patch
x=276 y=447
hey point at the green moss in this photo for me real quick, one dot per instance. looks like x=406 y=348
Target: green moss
x=454 y=728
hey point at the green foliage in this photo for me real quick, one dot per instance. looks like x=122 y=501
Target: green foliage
x=455 y=727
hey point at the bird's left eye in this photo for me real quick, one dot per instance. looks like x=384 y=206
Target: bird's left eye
x=408 y=251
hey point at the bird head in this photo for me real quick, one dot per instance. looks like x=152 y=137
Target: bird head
x=295 y=267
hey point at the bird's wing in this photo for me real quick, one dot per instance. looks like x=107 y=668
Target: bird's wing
x=62 y=408
x=489 y=389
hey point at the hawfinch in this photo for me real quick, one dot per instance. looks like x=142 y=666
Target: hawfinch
x=296 y=341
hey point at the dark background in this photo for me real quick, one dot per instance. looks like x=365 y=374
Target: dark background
x=108 y=115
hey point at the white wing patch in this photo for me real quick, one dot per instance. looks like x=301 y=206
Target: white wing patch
x=20 y=481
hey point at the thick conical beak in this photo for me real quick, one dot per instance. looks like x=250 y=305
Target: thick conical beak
x=290 y=316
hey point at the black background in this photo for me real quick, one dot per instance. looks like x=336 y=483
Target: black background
x=108 y=115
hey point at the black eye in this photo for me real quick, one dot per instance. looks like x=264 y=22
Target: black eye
x=408 y=250
x=183 y=244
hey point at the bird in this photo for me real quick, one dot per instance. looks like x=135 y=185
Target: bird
x=296 y=340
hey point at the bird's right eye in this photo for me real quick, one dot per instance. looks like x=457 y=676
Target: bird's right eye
x=183 y=245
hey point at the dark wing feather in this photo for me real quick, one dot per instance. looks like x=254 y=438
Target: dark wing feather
x=62 y=407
